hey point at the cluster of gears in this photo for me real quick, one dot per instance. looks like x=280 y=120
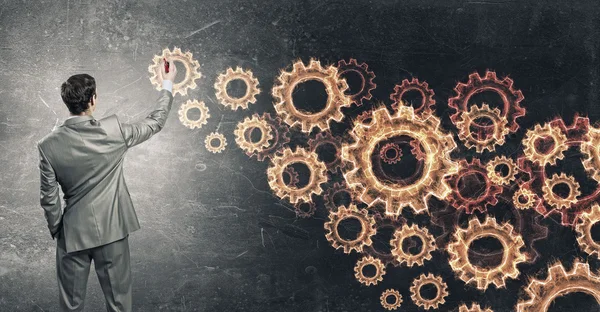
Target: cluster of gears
x=370 y=165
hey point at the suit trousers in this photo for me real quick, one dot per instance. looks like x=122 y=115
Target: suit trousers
x=112 y=265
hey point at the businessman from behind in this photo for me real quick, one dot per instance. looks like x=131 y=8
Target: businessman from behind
x=85 y=156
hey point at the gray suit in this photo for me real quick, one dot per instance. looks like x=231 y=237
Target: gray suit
x=85 y=156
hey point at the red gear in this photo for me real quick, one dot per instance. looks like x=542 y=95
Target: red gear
x=469 y=204
x=327 y=138
x=367 y=79
x=427 y=94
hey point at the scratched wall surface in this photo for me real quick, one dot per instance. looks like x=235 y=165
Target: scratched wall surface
x=214 y=237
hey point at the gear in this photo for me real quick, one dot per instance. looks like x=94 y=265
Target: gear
x=244 y=130
x=208 y=142
x=336 y=188
x=482 y=139
x=367 y=76
x=497 y=177
x=531 y=144
x=511 y=98
x=369 y=280
x=234 y=103
x=288 y=157
x=335 y=87
x=553 y=199
x=391 y=305
x=304 y=212
x=436 y=144
x=428 y=245
x=415 y=291
x=281 y=136
x=591 y=150
x=382 y=222
x=191 y=70
x=474 y=308
x=524 y=198
x=294 y=177
x=363 y=238
x=383 y=153
x=584 y=231
x=326 y=138
x=198 y=123
x=427 y=100
x=511 y=242
x=559 y=283
x=467 y=170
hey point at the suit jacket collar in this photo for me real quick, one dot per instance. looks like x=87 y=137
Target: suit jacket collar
x=77 y=119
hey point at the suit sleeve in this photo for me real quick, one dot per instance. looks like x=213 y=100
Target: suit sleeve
x=49 y=194
x=138 y=132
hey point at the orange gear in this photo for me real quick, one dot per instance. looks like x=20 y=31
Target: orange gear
x=383 y=153
x=490 y=140
x=428 y=245
x=584 y=231
x=427 y=100
x=496 y=176
x=318 y=175
x=234 y=103
x=531 y=144
x=529 y=196
x=437 y=164
x=591 y=150
x=459 y=253
x=336 y=188
x=364 y=237
x=369 y=280
x=415 y=291
x=559 y=283
x=488 y=196
x=367 y=76
x=303 y=212
x=245 y=128
x=208 y=142
x=474 y=308
x=365 y=117
x=555 y=200
x=198 y=123
x=280 y=138
x=294 y=177
x=391 y=305
x=335 y=87
x=326 y=138
x=191 y=70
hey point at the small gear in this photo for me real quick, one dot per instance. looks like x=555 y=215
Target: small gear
x=244 y=130
x=323 y=138
x=591 y=150
x=559 y=283
x=281 y=136
x=417 y=150
x=198 y=123
x=369 y=280
x=367 y=76
x=305 y=209
x=293 y=176
x=428 y=245
x=335 y=189
x=511 y=242
x=191 y=70
x=497 y=177
x=429 y=279
x=336 y=99
x=318 y=175
x=396 y=150
x=362 y=239
x=482 y=139
x=427 y=100
x=209 y=142
x=584 y=231
x=234 y=103
x=532 y=143
x=524 y=198
x=488 y=196
x=474 y=308
x=511 y=98
x=386 y=304
x=555 y=200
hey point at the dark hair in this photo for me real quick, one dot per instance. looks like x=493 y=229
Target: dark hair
x=77 y=92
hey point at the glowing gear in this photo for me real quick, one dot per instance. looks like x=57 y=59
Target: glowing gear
x=555 y=200
x=193 y=104
x=367 y=76
x=427 y=100
x=496 y=176
x=385 y=302
x=369 y=261
x=191 y=70
x=584 y=231
x=474 y=308
x=362 y=239
x=226 y=99
x=428 y=245
x=244 y=130
x=591 y=150
x=530 y=198
x=482 y=139
x=429 y=279
x=531 y=144
x=219 y=138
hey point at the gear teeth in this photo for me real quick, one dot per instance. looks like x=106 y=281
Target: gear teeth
x=394 y=305
x=198 y=123
x=191 y=70
x=488 y=198
x=410 y=259
x=584 y=231
x=369 y=280
x=366 y=75
x=474 y=308
x=249 y=80
x=364 y=237
x=244 y=129
x=555 y=200
x=427 y=103
x=540 y=132
x=422 y=280
x=220 y=138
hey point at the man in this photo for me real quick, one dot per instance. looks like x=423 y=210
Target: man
x=85 y=156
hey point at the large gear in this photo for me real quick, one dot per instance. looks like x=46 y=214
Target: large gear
x=234 y=103
x=511 y=242
x=391 y=305
x=369 y=280
x=511 y=98
x=428 y=245
x=488 y=197
x=437 y=164
x=191 y=70
x=336 y=99
x=281 y=136
x=367 y=76
x=524 y=198
x=429 y=279
x=198 y=123
x=427 y=100
x=363 y=238
x=244 y=130
x=211 y=147
x=584 y=231
x=318 y=175
x=591 y=150
x=474 y=308
x=327 y=138
x=497 y=177
x=555 y=200
x=531 y=144
x=559 y=283
x=481 y=139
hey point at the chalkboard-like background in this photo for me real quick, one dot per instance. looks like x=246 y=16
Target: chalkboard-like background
x=213 y=237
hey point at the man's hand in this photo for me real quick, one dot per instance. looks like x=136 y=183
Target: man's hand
x=172 y=70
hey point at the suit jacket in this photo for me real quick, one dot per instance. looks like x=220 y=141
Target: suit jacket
x=85 y=156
